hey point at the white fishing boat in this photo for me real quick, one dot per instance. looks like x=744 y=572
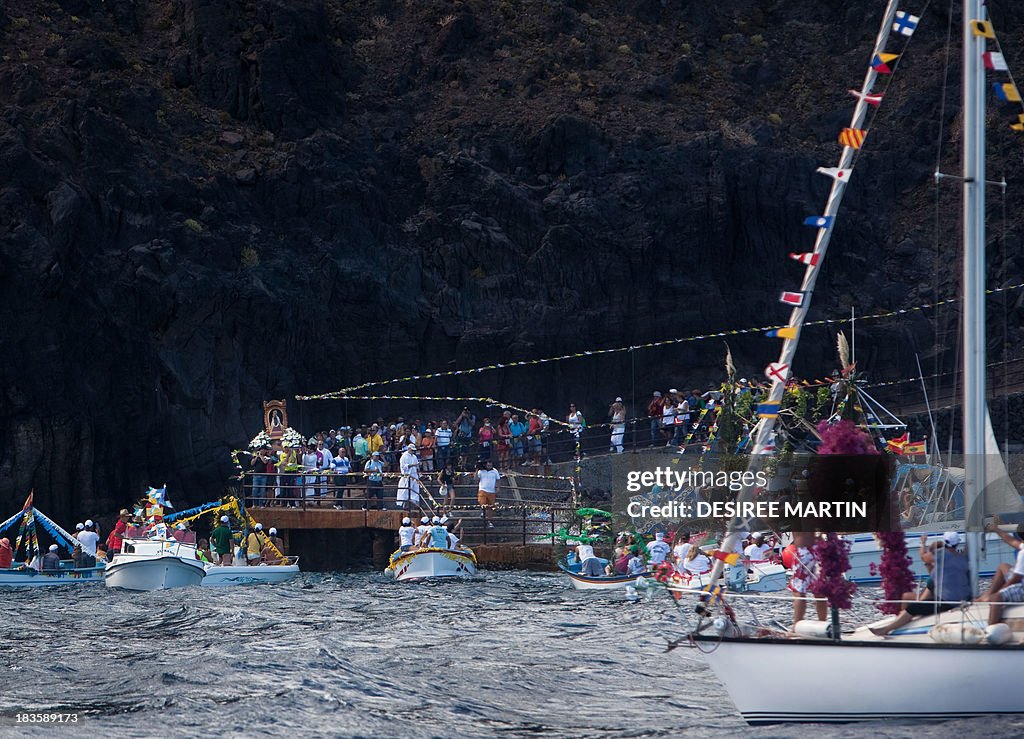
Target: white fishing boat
x=154 y=564
x=939 y=666
x=264 y=574
x=28 y=572
x=430 y=563
x=756 y=577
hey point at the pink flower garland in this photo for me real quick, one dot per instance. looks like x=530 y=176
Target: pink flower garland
x=833 y=558
x=895 y=569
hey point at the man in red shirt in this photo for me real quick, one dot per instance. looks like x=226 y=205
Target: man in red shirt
x=116 y=536
x=6 y=555
x=654 y=409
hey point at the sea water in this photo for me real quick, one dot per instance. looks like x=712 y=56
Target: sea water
x=357 y=654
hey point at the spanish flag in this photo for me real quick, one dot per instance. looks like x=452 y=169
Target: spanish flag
x=896 y=445
x=917 y=447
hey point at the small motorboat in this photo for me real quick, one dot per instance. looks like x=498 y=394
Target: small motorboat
x=24 y=576
x=430 y=563
x=154 y=564
x=222 y=575
x=605 y=582
x=756 y=577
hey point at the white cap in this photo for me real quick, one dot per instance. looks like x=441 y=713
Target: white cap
x=272 y=531
x=424 y=520
x=53 y=547
x=375 y=454
x=657 y=393
x=444 y=519
x=180 y=527
x=952 y=538
x=411 y=447
x=224 y=519
x=259 y=527
x=406 y=521
x=673 y=390
x=618 y=400
x=79 y=526
x=659 y=536
x=88 y=522
x=757 y=535
x=435 y=519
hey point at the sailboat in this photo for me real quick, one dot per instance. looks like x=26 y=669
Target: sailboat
x=939 y=666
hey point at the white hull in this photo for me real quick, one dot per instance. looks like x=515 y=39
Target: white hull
x=762 y=577
x=425 y=564
x=857 y=679
x=611 y=582
x=154 y=564
x=219 y=576
x=865 y=555
x=29 y=578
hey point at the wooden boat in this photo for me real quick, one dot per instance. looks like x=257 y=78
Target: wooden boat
x=24 y=574
x=430 y=563
x=606 y=582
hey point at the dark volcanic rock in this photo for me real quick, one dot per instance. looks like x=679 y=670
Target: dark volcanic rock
x=209 y=203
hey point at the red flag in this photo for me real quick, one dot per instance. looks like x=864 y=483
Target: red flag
x=28 y=500
x=807 y=258
x=792 y=298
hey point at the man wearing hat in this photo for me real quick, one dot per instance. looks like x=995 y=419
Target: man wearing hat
x=658 y=549
x=617 y=414
x=88 y=539
x=654 y=407
x=51 y=560
x=406 y=535
x=254 y=546
x=6 y=554
x=221 y=539
x=437 y=536
x=115 y=539
x=373 y=471
x=408 y=495
x=950 y=583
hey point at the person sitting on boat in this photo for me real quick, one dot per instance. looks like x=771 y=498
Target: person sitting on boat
x=277 y=541
x=757 y=551
x=950 y=583
x=636 y=564
x=6 y=554
x=1008 y=583
x=438 y=535
x=221 y=540
x=254 y=546
x=51 y=560
x=203 y=551
x=805 y=570
x=697 y=562
x=422 y=529
x=658 y=549
x=453 y=540
x=116 y=536
x=590 y=565
x=406 y=535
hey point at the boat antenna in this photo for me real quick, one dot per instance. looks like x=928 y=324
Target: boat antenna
x=927 y=404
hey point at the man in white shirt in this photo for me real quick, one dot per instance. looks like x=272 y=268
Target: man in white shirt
x=88 y=539
x=423 y=528
x=443 y=444
x=590 y=565
x=487 y=490
x=453 y=540
x=406 y=535
x=658 y=549
x=681 y=549
x=758 y=550
x=408 y=494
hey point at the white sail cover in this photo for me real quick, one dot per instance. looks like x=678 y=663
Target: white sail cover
x=1001 y=494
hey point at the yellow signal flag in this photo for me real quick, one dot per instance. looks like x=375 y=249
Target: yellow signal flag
x=852 y=137
x=983 y=29
x=1017 y=126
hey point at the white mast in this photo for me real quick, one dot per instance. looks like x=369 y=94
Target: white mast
x=764 y=432
x=974 y=274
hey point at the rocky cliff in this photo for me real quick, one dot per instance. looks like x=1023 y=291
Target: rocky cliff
x=209 y=203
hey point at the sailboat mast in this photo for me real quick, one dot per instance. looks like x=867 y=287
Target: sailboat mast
x=974 y=270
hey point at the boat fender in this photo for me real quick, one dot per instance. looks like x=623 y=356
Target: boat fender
x=724 y=627
x=956 y=634
x=389 y=571
x=998 y=634
x=816 y=629
x=787 y=556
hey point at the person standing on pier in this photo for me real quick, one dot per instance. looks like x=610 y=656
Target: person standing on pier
x=617 y=415
x=408 y=494
x=487 y=492
x=654 y=414
x=443 y=438
x=374 y=474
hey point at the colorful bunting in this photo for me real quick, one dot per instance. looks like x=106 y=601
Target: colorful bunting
x=777 y=371
x=819 y=221
x=994 y=61
x=795 y=299
x=906 y=23
x=869 y=98
x=789 y=332
x=808 y=258
x=880 y=62
x=852 y=137
x=835 y=173
x=1007 y=92
x=983 y=29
